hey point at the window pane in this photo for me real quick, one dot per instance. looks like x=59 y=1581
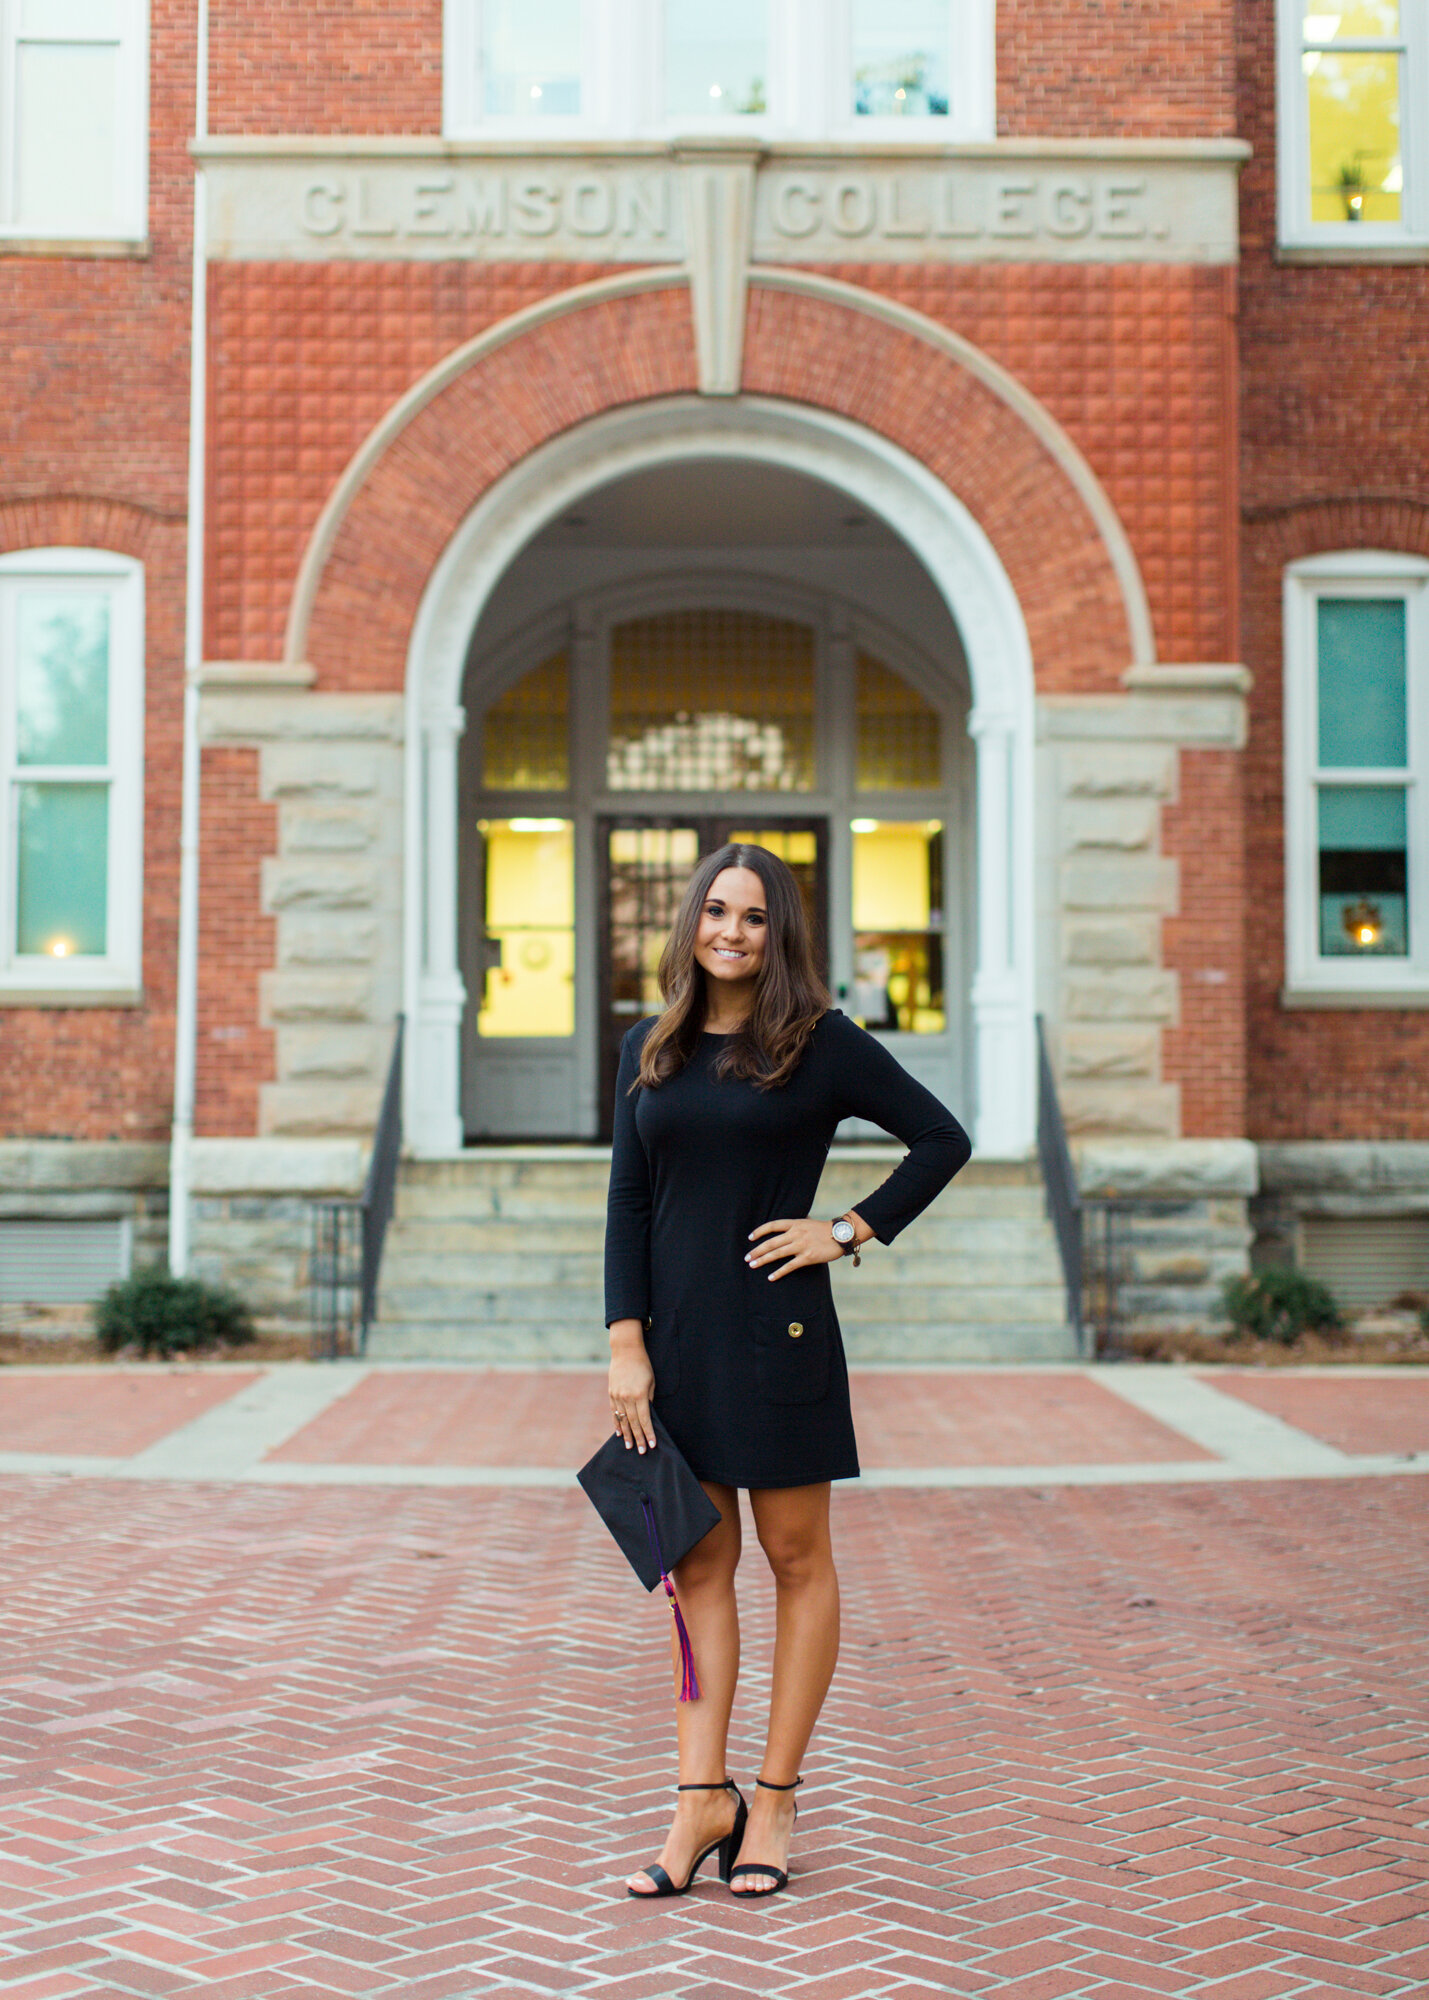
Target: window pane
x=531 y=58
x=1355 y=169
x=711 y=701
x=1356 y=19
x=529 y=983
x=1364 y=910
x=63 y=870
x=65 y=156
x=716 y=57
x=525 y=739
x=898 y=925
x=62 y=680
x=900 y=58
x=899 y=733
x=1361 y=678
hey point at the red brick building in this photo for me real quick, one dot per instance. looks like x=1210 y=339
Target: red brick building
x=474 y=455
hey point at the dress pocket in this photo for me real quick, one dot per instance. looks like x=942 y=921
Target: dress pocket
x=791 y=1355
x=662 y=1344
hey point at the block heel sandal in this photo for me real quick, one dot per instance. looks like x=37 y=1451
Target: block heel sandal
x=781 y=1875
x=728 y=1847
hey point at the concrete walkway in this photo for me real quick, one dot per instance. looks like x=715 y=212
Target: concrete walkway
x=325 y=1681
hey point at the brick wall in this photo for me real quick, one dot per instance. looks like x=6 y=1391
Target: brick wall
x=94 y=382
x=236 y=943
x=1334 y=455
x=304 y=359
x=1115 y=68
x=337 y=66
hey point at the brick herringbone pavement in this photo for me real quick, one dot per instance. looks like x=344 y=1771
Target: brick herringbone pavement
x=265 y=1741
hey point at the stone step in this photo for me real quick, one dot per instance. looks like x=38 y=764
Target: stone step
x=1033 y=1262
x=1031 y=1340
x=585 y=1202
x=527 y=1305
x=932 y=1235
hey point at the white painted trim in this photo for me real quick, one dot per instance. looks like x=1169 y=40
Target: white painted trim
x=1310 y=979
x=1006 y=387
x=191 y=768
x=131 y=167
x=884 y=480
x=1303 y=241
x=46 y=981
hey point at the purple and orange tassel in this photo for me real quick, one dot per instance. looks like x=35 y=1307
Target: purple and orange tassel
x=689 y=1680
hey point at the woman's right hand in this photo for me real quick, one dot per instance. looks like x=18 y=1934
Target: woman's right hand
x=632 y=1384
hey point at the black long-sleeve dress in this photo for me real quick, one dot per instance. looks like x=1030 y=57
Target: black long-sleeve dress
x=750 y=1376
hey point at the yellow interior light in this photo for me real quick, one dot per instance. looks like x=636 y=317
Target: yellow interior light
x=59 y=947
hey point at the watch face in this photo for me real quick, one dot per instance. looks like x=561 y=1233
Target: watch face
x=843 y=1232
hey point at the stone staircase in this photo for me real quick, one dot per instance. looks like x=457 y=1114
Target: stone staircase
x=496 y=1256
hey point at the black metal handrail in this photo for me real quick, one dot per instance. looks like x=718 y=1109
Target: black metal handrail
x=1059 y=1178
x=346 y=1255
x=380 y=1194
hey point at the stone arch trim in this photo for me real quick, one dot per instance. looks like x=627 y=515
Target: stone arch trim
x=811 y=341
x=932 y=408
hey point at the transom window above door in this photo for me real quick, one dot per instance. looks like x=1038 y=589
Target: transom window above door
x=806 y=68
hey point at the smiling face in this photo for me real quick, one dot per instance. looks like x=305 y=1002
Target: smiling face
x=733 y=929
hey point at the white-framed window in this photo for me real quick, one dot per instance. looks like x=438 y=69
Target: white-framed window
x=1357 y=774
x=71 y=763
x=876 y=69
x=74 y=119
x=1353 y=120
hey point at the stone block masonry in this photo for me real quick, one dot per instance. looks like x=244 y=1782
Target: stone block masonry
x=325 y=774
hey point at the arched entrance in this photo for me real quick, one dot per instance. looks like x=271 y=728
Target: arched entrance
x=977 y=689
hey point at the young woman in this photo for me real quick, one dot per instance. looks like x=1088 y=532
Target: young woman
x=721 y=1313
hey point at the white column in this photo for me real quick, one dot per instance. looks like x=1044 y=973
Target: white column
x=433 y=1120
x=1004 y=1043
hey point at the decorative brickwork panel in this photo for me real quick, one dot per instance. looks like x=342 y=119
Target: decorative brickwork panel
x=305 y=359
x=1137 y=362
x=345 y=66
x=1205 y=943
x=895 y=384
x=1144 y=68
x=107 y=1072
x=573 y=367
x=236 y=944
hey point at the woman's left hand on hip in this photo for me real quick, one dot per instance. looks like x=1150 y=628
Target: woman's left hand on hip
x=800 y=1241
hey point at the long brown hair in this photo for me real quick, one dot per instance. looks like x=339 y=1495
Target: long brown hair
x=789 y=997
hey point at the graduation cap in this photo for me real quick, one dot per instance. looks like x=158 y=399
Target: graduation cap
x=657 y=1510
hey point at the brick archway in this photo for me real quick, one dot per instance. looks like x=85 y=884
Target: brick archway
x=630 y=340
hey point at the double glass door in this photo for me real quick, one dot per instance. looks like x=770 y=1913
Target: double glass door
x=645 y=861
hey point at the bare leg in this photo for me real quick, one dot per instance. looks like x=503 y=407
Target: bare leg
x=793 y=1525
x=705 y=1582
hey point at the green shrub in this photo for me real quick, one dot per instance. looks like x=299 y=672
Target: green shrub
x=1279 y=1304
x=160 y=1314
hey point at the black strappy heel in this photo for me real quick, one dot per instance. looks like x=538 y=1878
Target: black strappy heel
x=781 y=1875
x=728 y=1848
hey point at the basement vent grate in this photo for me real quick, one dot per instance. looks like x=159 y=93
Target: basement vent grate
x=61 y=1263
x=1366 y=1260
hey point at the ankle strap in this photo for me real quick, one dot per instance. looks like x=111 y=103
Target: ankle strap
x=718 y=1785
x=778 y=1788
